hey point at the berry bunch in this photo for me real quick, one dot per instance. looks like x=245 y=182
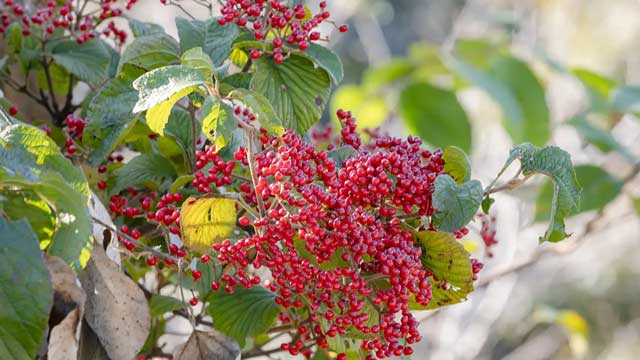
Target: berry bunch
x=276 y=24
x=74 y=129
x=488 y=232
x=59 y=17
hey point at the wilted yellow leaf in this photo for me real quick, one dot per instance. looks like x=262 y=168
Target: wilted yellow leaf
x=205 y=222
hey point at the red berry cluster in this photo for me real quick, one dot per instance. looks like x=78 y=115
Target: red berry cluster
x=218 y=173
x=340 y=258
x=488 y=232
x=74 y=129
x=292 y=27
x=54 y=15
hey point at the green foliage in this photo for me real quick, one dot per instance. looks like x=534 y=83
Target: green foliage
x=245 y=313
x=89 y=61
x=455 y=205
x=151 y=52
x=197 y=59
x=328 y=60
x=598 y=189
x=141 y=170
x=261 y=107
x=141 y=28
x=214 y=39
x=297 y=90
x=457 y=164
x=449 y=262
x=218 y=122
x=25 y=291
x=556 y=164
x=161 y=84
x=160 y=305
x=435 y=115
x=31 y=161
x=110 y=114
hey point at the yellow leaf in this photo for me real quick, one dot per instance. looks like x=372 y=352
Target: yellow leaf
x=573 y=322
x=205 y=222
x=158 y=115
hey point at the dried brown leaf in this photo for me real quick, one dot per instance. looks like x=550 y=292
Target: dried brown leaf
x=116 y=308
x=208 y=346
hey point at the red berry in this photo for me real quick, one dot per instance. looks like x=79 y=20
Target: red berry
x=135 y=233
x=102 y=184
x=152 y=261
x=255 y=54
x=205 y=258
x=102 y=169
x=244 y=221
x=343 y=28
x=193 y=301
x=196 y=274
x=13 y=110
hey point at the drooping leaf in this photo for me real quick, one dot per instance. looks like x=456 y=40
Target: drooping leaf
x=598 y=189
x=218 y=122
x=161 y=84
x=158 y=116
x=455 y=205
x=435 y=115
x=449 y=262
x=556 y=164
x=151 y=52
x=245 y=313
x=297 y=90
x=328 y=60
x=89 y=61
x=141 y=169
x=260 y=106
x=206 y=221
x=179 y=128
x=25 y=291
x=208 y=345
x=116 y=308
x=110 y=115
x=457 y=164
x=141 y=28
x=190 y=32
x=161 y=304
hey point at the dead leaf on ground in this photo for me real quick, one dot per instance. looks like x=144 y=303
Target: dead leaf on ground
x=116 y=308
x=208 y=345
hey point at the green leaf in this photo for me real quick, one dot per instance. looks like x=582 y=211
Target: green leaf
x=599 y=137
x=141 y=28
x=151 y=52
x=435 y=115
x=457 y=164
x=203 y=285
x=161 y=84
x=60 y=79
x=598 y=189
x=555 y=163
x=197 y=59
x=487 y=202
x=449 y=262
x=140 y=169
x=260 y=106
x=245 y=313
x=528 y=91
x=328 y=60
x=378 y=77
x=25 y=292
x=89 y=61
x=158 y=116
x=179 y=128
x=297 y=90
x=191 y=33
x=110 y=115
x=237 y=81
x=341 y=154
x=218 y=122
x=218 y=39
x=626 y=99
x=598 y=87
x=27 y=51
x=180 y=182
x=455 y=205
x=160 y=305
x=18 y=205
